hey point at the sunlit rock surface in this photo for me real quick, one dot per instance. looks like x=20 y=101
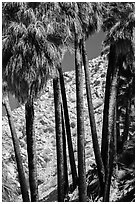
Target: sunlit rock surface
x=45 y=134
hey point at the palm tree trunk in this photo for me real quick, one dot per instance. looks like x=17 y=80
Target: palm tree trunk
x=59 y=140
x=22 y=178
x=65 y=155
x=111 y=134
x=98 y=158
x=68 y=131
x=31 y=149
x=80 y=124
x=104 y=145
x=115 y=131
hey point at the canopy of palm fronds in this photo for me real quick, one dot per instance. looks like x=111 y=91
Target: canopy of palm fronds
x=9 y=13
x=85 y=16
x=118 y=21
x=90 y=17
x=28 y=58
x=57 y=24
x=60 y=23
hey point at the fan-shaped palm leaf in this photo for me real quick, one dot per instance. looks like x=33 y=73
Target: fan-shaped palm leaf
x=118 y=22
x=31 y=60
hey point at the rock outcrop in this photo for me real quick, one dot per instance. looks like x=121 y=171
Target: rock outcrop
x=45 y=134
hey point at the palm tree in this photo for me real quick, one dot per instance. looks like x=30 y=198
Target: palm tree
x=49 y=21
x=28 y=67
x=111 y=140
x=110 y=129
x=71 y=10
x=105 y=115
x=118 y=23
x=120 y=37
x=31 y=148
x=22 y=178
x=90 y=25
x=87 y=24
x=59 y=34
x=82 y=14
x=80 y=122
x=68 y=131
x=59 y=140
x=125 y=96
x=119 y=52
x=100 y=166
x=66 y=185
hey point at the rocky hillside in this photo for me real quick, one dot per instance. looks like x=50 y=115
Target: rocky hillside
x=45 y=134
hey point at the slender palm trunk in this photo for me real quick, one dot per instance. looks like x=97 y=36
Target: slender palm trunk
x=111 y=134
x=80 y=124
x=115 y=164
x=59 y=140
x=31 y=149
x=68 y=131
x=22 y=179
x=104 y=145
x=100 y=166
x=65 y=155
x=115 y=131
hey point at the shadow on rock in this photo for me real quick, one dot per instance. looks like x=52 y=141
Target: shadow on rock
x=52 y=197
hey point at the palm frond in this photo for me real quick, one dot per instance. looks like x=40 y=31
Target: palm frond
x=32 y=59
x=118 y=21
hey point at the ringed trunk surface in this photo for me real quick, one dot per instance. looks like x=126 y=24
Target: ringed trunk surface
x=104 y=144
x=59 y=140
x=80 y=124
x=65 y=155
x=31 y=149
x=111 y=134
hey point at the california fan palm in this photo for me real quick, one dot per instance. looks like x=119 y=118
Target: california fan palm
x=26 y=71
x=58 y=33
x=118 y=22
x=90 y=18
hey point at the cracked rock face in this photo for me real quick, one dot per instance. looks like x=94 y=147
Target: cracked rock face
x=45 y=133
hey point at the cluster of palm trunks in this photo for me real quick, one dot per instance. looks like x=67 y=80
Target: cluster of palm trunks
x=120 y=63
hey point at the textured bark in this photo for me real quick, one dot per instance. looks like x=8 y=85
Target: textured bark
x=117 y=55
x=59 y=140
x=104 y=145
x=80 y=125
x=119 y=141
x=66 y=185
x=111 y=134
x=115 y=132
x=31 y=149
x=68 y=131
x=98 y=158
x=127 y=122
x=22 y=178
